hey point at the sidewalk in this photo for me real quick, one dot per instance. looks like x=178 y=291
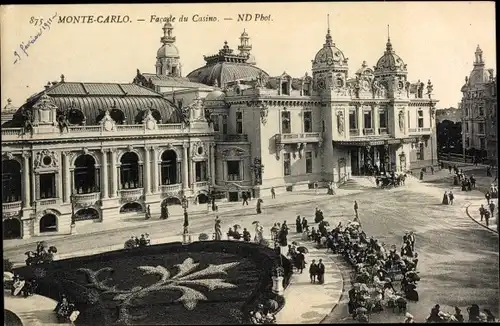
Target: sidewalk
x=472 y=211
x=287 y=199
x=307 y=303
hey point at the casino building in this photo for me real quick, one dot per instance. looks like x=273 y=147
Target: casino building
x=105 y=151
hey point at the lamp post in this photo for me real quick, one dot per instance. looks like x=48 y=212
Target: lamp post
x=73 y=217
x=186 y=237
x=432 y=112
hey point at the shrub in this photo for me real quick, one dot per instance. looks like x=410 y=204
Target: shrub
x=7 y=265
x=203 y=237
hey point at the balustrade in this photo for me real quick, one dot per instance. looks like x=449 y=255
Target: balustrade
x=298 y=137
x=131 y=194
x=231 y=138
x=87 y=199
x=383 y=130
x=353 y=132
x=368 y=131
x=171 y=188
x=419 y=130
x=12 y=207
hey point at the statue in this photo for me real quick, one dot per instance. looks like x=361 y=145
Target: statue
x=340 y=122
x=401 y=120
x=62 y=120
x=218 y=230
x=430 y=88
x=407 y=88
x=27 y=117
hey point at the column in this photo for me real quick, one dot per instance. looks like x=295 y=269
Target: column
x=212 y=163
x=114 y=173
x=360 y=124
x=104 y=175
x=147 y=171
x=155 y=170
x=375 y=120
x=26 y=180
x=185 y=167
x=67 y=178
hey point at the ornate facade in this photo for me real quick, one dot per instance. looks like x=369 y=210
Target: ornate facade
x=479 y=111
x=104 y=150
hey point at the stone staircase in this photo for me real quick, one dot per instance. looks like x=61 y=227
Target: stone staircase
x=356 y=183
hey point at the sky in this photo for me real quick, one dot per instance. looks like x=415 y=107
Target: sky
x=436 y=40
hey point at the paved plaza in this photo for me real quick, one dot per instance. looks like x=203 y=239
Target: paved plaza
x=458 y=259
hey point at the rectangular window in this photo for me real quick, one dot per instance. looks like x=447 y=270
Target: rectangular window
x=420 y=151
x=382 y=116
x=482 y=143
x=201 y=171
x=420 y=119
x=224 y=124
x=367 y=119
x=309 y=162
x=481 y=127
x=352 y=120
x=47 y=185
x=239 y=122
x=481 y=111
x=285 y=122
x=307 y=121
x=233 y=170
x=215 y=121
x=466 y=126
x=286 y=164
x=306 y=91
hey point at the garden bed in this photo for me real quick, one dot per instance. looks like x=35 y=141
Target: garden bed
x=209 y=282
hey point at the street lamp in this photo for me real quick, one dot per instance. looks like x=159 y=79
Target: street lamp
x=73 y=217
x=258 y=168
x=186 y=237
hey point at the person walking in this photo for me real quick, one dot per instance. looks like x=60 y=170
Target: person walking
x=313 y=271
x=482 y=212
x=298 y=224
x=451 y=197
x=449 y=168
x=432 y=169
x=492 y=208
x=487 y=218
x=356 y=208
x=487 y=195
x=316 y=188
x=321 y=272
x=245 y=198
x=273 y=193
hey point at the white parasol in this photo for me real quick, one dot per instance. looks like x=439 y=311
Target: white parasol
x=8 y=276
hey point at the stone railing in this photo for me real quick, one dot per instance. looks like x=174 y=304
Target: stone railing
x=87 y=199
x=131 y=194
x=170 y=189
x=419 y=130
x=232 y=138
x=201 y=184
x=383 y=131
x=354 y=132
x=46 y=202
x=298 y=137
x=12 y=207
x=9 y=134
x=368 y=131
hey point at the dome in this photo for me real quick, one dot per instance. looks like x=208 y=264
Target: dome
x=216 y=95
x=390 y=62
x=364 y=70
x=9 y=108
x=478 y=76
x=329 y=55
x=168 y=50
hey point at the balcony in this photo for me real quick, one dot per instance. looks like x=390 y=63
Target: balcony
x=171 y=190
x=86 y=200
x=11 y=134
x=129 y=195
x=354 y=132
x=368 y=131
x=13 y=207
x=383 y=131
x=236 y=138
x=419 y=131
x=201 y=184
x=308 y=137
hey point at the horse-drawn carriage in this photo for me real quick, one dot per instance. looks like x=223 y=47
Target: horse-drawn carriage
x=43 y=254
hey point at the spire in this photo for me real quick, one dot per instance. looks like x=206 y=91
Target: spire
x=329 y=40
x=479 y=57
x=167 y=34
x=388 y=46
x=245 y=47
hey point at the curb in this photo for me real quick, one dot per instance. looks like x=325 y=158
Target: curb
x=342 y=295
x=484 y=226
x=179 y=217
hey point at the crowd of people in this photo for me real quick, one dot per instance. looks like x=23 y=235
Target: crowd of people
x=135 y=242
x=66 y=311
x=42 y=254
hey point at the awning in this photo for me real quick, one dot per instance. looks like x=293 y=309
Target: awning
x=366 y=141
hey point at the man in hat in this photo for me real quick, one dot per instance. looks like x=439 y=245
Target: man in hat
x=482 y=210
x=411 y=239
x=313 y=271
x=356 y=208
x=321 y=272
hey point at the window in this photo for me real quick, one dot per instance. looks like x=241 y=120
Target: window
x=420 y=119
x=382 y=118
x=481 y=111
x=11 y=181
x=306 y=91
x=239 y=122
x=482 y=143
x=352 y=119
x=47 y=185
x=285 y=122
x=284 y=88
x=367 y=119
x=309 y=162
x=201 y=171
x=233 y=170
x=286 y=164
x=224 y=124
x=481 y=127
x=307 y=121
x=420 y=151
x=215 y=121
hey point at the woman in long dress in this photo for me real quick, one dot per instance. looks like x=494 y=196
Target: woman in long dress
x=218 y=231
x=445 y=198
x=298 y=224
x=258 y=209
x=258 y=233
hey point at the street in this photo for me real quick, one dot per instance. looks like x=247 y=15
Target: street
x=458 y=260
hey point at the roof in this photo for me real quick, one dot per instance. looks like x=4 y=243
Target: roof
x=168 y=81
x=222 y=72
x=390 y=62
x=329 y=56
x=93 y=99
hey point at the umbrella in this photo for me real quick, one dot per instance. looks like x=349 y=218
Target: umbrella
x=354 y=223
x=261 y=201
x=53 y=249
x=8 y=276
x=303 y=250
x=236 y=227
x=295 y=243
x=255 y=222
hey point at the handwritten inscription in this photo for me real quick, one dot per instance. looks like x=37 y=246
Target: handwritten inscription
x=45 y=26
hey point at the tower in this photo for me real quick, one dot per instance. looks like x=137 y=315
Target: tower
x=245 y=47
x=479 y=57
x=167 y=57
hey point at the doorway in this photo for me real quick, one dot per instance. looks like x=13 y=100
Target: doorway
x=355 y=161
x=233 y=196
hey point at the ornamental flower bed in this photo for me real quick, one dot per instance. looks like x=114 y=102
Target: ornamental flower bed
x=202 y=283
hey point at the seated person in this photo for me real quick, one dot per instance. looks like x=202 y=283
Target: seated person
x=142 y=241
x=230 y=233
x=236 y=235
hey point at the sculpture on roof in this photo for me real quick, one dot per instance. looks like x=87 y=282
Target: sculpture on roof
x=28 y=119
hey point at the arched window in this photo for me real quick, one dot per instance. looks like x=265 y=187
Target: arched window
x=118 y=116
x=169 y=168
x=48 y=223
x=86 y=175
x=76 y=117
x=157 y=115
x=129 y=171
x=171 y=201
x=202 y=199
x=131 y=207
x=11 y=181
x=86 y=214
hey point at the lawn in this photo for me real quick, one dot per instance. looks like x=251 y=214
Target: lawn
x=203 y=283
